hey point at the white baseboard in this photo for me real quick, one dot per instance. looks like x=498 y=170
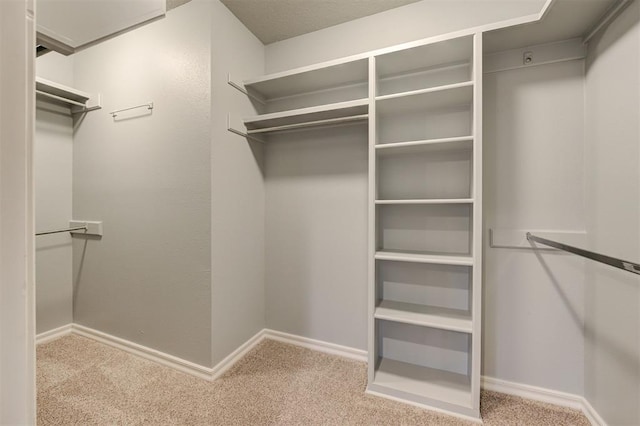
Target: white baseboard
x=489 y=383
x=220 y=368
x=544 y=395
x=145 y=352
x=54 y=334
x=317 y=345
x=592 y=414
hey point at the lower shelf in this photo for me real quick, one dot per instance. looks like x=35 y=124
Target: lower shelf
x=429 y=383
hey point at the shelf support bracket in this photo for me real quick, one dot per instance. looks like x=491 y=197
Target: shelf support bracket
x=242 y=89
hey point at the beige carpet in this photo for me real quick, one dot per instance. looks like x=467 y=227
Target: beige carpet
x=82 y=382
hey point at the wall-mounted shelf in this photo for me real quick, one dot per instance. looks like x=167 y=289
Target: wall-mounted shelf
x=77 y=100
x=309 y=79
x=310 y=115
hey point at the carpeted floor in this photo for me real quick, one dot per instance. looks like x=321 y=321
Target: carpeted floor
x=82 y=382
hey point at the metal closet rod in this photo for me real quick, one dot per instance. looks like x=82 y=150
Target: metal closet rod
x=58 y=231
x=625 y=265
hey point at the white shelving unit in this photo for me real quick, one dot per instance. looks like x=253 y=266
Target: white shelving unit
x=425 y=213
x=422 y=105
x=76 y=100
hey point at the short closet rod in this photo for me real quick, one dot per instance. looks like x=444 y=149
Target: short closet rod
x=611 y=261
x=58 y=231
x=60 y=98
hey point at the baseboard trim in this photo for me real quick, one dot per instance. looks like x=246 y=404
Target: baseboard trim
x=54 y=334
x=316 y=345
x=592 y=415
x=549 y=396
x=229 y=361
x=145 y=352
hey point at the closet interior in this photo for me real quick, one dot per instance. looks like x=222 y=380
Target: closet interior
x=374 y=205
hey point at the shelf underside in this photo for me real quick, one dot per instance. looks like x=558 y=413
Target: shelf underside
x=425 y=382
x=427 y=145
x=427 y=316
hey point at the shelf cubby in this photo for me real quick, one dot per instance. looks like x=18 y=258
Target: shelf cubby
x=436 y=172
x=425 y=66
x=425 y=115
x=427 y=229
x=427 y=362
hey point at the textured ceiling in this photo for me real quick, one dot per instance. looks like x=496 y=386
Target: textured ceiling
x=275 y=20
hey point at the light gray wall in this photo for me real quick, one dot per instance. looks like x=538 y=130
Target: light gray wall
x=316 y=227
x=534 y=179
x=404 y=24
x=238 y=193
x=148 y=177
x=53 y=156
x=612 y=369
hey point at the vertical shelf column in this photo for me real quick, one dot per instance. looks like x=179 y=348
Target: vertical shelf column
x=371 y=209
x=477 y=222
x=425 y=225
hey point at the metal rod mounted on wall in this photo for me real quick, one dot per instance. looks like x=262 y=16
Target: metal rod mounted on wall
x=148 y=105
x=58 y=231
x=632 y=267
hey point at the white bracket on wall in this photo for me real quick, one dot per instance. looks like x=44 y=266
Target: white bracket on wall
x=240 y=87
x=234 y=128
x=93 y=227
x=517 y=238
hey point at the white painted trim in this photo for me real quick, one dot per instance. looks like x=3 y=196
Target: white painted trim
x=408 y=45
x=317 y=345
x=229 y=361
x=423 y=406
x=592 y=415
x=542 y=54
x=54 y=334
x=548 y=396
x=145 y=352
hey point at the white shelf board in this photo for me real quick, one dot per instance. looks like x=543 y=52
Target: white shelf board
x=311 y=114
x=310 y=79
x=436 y=98
x=425 y=382
x=454 y=142
x=428 y=201
x=61 y=90
x=424 y=258
x=426 y=316
x=429 y=56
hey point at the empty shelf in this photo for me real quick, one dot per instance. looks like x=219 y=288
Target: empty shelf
x=428 y=201
x=437 y=98
x=61 y=91
x=424 y=382
x=427 y=316
x=311 y=115
x=424 y=258
x=310 y=79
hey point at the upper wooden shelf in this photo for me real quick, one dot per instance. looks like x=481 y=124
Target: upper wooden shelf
x=61 y=91
x=310 y=79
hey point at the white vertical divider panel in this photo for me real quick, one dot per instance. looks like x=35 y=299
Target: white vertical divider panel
x=476 y=336
x=17 y=239
x=371 y=232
